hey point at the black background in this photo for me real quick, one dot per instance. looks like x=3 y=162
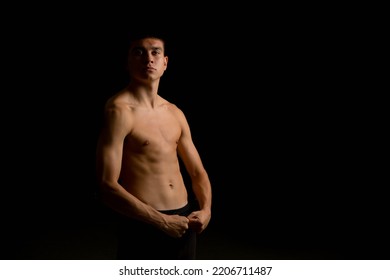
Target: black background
x=288 y=131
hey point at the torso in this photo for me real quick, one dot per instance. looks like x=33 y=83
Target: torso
x=150 y=166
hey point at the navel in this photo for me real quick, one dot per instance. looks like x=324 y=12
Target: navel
x=171 y=185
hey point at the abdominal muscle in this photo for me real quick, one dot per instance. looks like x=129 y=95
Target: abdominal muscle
x=161 y=186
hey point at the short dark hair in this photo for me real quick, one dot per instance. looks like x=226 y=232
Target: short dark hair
x=136 y=35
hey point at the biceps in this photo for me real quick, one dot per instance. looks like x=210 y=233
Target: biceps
x=109 y=162
x=190 y=157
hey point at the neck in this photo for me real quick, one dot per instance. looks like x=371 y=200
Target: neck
x=144 y=94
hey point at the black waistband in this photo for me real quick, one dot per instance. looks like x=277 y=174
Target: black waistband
x=183 y=211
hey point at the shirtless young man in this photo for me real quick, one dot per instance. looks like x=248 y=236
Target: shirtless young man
x=138 y=169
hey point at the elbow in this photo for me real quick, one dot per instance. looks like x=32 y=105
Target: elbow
x=199 y=175
x=107 y=189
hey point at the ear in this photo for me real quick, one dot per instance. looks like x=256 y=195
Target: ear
x=166 y=62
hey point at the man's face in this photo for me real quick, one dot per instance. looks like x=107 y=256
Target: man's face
x=147 y=60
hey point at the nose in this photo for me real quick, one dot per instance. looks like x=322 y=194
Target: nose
x=149 y=57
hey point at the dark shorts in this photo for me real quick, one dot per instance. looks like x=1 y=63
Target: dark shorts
x=140 y=241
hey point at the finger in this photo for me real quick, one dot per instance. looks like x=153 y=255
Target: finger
x=192 y=215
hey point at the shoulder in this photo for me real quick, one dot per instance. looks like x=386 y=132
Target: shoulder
x=177 y=113
x=120 y=101
x=173 y=108
x=118 y=108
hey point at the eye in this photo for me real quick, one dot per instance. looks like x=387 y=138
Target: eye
x=156 y=51
x=137 y=52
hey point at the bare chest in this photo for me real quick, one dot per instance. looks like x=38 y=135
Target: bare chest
x=155 y=131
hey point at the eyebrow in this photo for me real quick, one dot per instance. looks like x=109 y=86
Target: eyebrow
x=157 y=48
x=143 y=48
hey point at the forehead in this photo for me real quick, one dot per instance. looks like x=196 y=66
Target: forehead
x=148 y=43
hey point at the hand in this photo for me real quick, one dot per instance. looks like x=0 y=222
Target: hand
x=175 y=225
x=198 y=220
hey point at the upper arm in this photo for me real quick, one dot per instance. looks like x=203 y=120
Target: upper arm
x=187 y=149
x=110 y=144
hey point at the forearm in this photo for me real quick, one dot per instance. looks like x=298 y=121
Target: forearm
x=202 y=189
x=121 y=201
